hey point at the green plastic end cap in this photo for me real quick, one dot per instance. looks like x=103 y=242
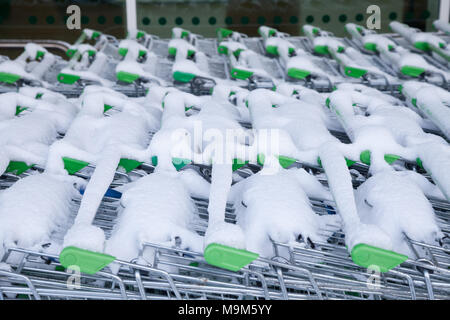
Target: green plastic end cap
x=414 y=102
x=365 y=157
x=228 y=258
x=286 y=162
x=273 y=50
x=129 y=164
x=272 y=32
x=20 y=109
x=391 y=158
x=180 y=163
x=140 y=34
x=184 y=34
x=298 y=73
x=222 y=50
x=422 y=45
x=400 y=88
x=419 y=163
x=18 y=167
x=96 y=34
x=72 y=166
x=238 y=163
x=223 y=33
x=172 y=51
x=321 y=49
x=237 y=52
x=369 y=256
x=183 y=76
x=354 y=72
x=349 y=162
x=240 y=74
x=40 y=54
x=191 y=53
x=106 y=107
x=260 y=158
x=9 y=77
x=370 y=46
x=327 y=102
x=71 y=52
x=123 y=51
x=89 y=262
x=127 y=77
x=67 y=78
x=412 y=71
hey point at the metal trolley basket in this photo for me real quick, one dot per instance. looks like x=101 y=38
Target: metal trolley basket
x=305 y=270
x=300 y=270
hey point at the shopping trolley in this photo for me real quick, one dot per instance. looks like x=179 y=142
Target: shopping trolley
x=93 y=37
x=434 y=45
x=37 y=117
x=403 y=62
x=141 y=66
x=431 y=104
x=442 y=26
x=418 y=164
x=299 y=66
x=245 y=64
x=197 y=66
x=352 y=62
x=302 y=271
x=35 y=66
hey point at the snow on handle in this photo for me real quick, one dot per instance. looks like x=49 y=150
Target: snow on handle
x=291 y=127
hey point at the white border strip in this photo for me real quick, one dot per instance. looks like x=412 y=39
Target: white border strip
x=444 y=10
x=131 y=15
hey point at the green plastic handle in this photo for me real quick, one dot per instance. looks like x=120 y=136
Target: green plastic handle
x=228 y=258
x=368 y=256
x=89 y=262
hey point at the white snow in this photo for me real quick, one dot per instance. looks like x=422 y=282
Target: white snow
x=276 y=207
x=155 y=209
x=391 y=130
x=431 y=103
x=339 y=181
x=27 y=66
x=32 y=208
x=300 y=124
x=28 y=137
x=122 y=135
x=391 y=202
x=271 y=205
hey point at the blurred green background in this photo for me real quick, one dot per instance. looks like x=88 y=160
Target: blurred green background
x=45 y=19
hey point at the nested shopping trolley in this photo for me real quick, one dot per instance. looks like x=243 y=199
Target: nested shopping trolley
x=304 y=270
